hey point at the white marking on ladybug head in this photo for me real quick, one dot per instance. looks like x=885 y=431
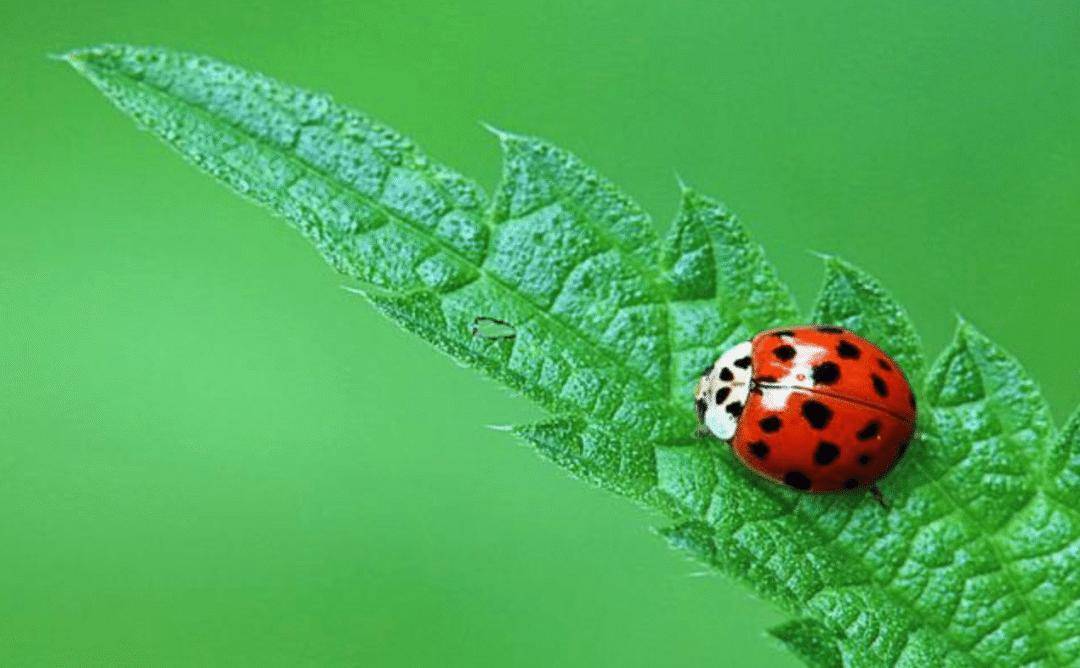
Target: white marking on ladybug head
x=724 y=389
x=800 y=375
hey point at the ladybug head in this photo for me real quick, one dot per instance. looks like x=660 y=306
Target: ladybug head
x=722 y=391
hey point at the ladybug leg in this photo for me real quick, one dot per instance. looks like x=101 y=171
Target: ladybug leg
x=875 y=492
x=492 y=328
x=702 y=432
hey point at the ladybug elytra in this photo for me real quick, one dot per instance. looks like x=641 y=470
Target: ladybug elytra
x=815 y=407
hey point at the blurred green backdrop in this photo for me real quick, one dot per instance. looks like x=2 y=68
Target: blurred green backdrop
x=210 y=453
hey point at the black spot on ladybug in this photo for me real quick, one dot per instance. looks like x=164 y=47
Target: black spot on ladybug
x=708 y=370
x=797 y=479
x=826 y=373
x=770 y=424
x=864 y=460
x=848 y=351
x=735 y=408
x=722 y=394
x=816 y=413
x=784 y=352
x=826 y=453
x=725 y=374
x=879 y=385
x=869 y=431
x=827 y=329
x=759 y=449
x=902 y=449
x=851 y=483
x=701 y=407
x=765 y=379
x=883 y=365
x=911 y=399
x=783 y=332
x=742 y=362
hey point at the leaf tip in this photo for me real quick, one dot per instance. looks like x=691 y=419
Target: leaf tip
x=502 y=135
x=834 y=268
x=690 y=197
x=81 y=55
x=511 y=143
x=83 y=59
x=839 y=267
x=74 y=58
x=684 y=187
x=967 y=333
x=963 y=326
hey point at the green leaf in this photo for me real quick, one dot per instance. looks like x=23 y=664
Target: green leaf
x=976 y=563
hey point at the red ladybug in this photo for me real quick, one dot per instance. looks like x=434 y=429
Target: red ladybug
x=817 y=408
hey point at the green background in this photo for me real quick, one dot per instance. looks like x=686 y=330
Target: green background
x=210 y=453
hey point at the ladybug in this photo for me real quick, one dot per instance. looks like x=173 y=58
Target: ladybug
x=815 y=407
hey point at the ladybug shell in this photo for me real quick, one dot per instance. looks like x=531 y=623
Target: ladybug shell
x=828 y=410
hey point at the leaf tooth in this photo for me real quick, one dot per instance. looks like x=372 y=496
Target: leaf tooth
x=684 y=187
x=852 y=297
x=1063 y=459
x=810 y=640
x=495 y=130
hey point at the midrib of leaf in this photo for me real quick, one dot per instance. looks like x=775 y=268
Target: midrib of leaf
x=631 y=377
